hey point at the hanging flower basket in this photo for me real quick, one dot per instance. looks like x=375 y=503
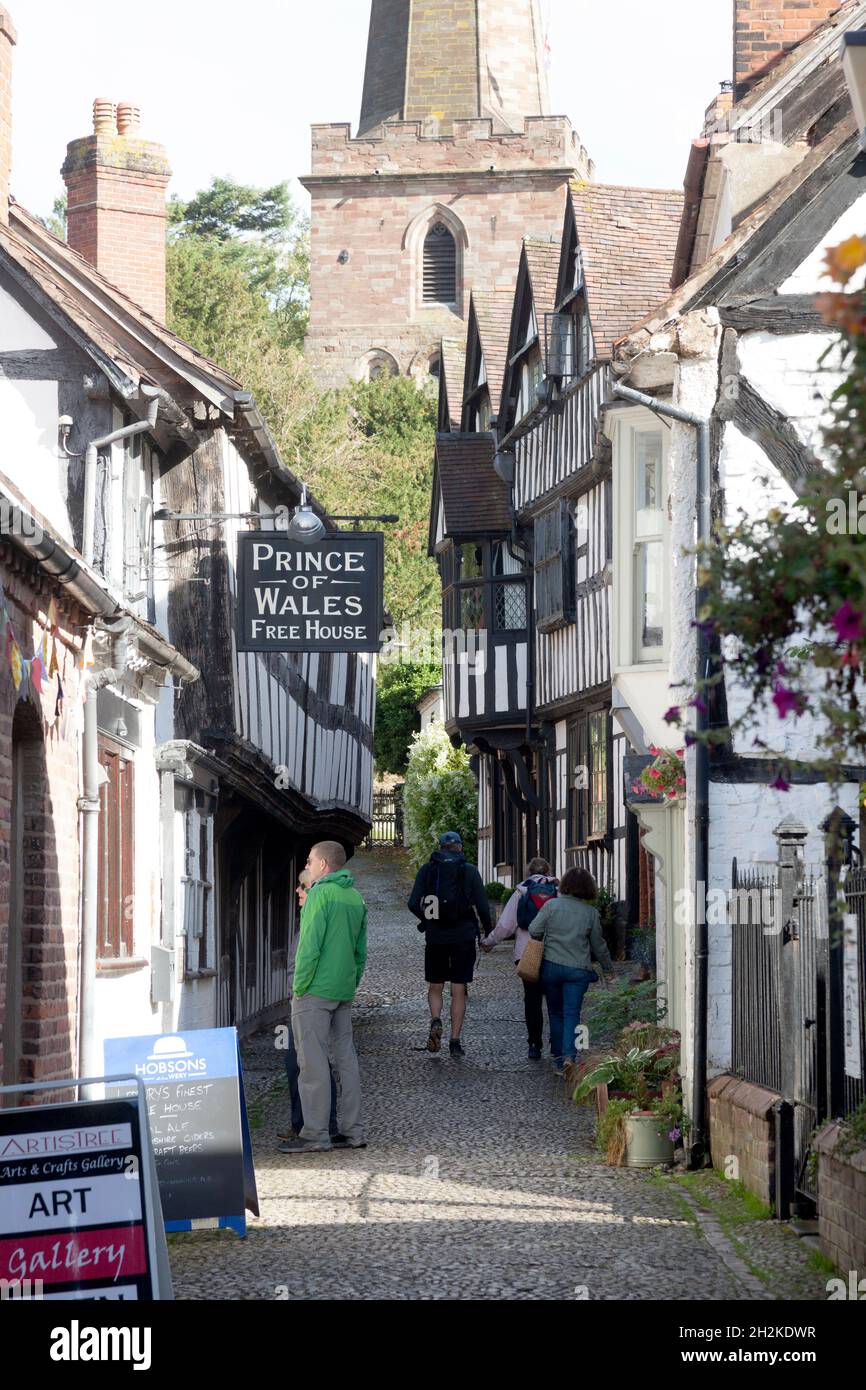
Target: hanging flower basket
x=665 y=778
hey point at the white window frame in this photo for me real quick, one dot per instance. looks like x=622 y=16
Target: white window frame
x=624 y=428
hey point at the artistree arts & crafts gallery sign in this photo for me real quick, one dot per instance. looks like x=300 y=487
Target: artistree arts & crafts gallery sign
x=324 y=597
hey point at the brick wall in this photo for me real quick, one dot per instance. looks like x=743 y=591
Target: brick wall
x=370 y=197
x=841 y=1201
x=742 y=1126
x=7 y=42
x=48 y=890
x=764 y=30
x=117 y=215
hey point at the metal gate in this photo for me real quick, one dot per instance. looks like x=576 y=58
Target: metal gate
x=387 y=827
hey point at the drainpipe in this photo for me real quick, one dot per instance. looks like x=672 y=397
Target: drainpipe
x=698 y=1145
x=89 y=1062
x=91 y=454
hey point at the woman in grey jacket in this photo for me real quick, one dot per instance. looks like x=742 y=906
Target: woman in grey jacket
x=571 y=929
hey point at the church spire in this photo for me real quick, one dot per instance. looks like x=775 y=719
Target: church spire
x=444 y=60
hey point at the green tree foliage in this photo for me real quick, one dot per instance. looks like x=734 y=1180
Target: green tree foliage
x=399 y=687
x=440 y=794
x=239 y=236
x=397 y=423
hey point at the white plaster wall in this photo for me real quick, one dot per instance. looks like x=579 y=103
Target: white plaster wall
x=29 y=454
x=18 y=331
x=788 y=371
x=810 y=277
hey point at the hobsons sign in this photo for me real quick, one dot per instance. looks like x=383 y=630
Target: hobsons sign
x=320 y=597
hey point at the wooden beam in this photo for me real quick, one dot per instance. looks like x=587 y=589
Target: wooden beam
x=43 y=364
x=777 y=313
x=744 y=407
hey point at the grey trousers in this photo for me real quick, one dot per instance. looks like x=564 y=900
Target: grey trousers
x=323 y=1032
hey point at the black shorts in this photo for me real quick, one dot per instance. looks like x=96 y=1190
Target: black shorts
x=452 y=963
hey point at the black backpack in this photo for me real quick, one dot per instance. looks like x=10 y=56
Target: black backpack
x=447 y=884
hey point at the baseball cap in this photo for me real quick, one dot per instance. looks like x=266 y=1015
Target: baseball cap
x=450 y=840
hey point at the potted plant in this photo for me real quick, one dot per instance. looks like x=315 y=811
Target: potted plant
x=497 y=896
x=637 y=1092
x=665 y=777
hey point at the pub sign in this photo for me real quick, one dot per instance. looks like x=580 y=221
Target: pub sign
x=320 y=597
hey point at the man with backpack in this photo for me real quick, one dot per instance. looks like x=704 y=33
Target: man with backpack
x=449 y=901
x=522 y=907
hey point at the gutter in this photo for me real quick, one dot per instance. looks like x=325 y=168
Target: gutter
x=698 y=1144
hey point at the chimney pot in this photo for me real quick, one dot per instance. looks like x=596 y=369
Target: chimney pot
x=104 y=117
x=116 y=211
x=128 y=118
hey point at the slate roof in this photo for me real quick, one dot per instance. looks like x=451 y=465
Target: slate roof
x=628 y=238
x=493 y=316
x=474 y=498
x=453 y=372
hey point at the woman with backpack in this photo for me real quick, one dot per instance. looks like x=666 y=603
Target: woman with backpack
x=570 y=927
x=525 y=902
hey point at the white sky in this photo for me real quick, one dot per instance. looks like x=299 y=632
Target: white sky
x=232 y=86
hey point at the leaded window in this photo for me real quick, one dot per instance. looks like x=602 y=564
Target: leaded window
x=553 y=563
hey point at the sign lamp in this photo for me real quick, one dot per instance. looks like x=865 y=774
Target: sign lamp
x=305 y=526
x=853 y=55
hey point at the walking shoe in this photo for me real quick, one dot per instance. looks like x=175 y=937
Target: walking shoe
x=455 y=1047
x=305 y=1146
x=339 y=1139
x=434 y=1041
x=289 y=1135
x=534 y=1053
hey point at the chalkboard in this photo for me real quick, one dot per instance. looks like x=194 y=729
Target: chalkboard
x=79 y=1207
x=198 y=1125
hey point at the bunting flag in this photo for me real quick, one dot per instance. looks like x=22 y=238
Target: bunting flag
x=33 y=676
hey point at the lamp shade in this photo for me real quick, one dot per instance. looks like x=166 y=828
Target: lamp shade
x=305 y=526
x=853 y=55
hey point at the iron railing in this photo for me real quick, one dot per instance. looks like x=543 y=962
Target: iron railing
x=756 y=1042
x=387 y=827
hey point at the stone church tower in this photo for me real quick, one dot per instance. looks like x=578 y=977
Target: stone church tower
x=455 y=161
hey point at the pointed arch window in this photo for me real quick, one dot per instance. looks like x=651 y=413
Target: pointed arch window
x=440 y=266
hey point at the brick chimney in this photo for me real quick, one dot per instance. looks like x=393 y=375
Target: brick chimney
x=764 y=31
x=7 y=43
x=116 y=217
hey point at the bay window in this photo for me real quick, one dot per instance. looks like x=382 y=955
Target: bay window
x=641 y=539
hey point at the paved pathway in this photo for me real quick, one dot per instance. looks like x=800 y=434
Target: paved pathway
x=480 y=1180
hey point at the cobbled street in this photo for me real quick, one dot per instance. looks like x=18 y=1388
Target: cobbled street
x=480 y=1180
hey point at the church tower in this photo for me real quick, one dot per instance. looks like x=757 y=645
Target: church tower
x=456 y=159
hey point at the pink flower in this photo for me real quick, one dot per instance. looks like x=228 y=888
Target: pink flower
x=672 y=716
x=786 y=701
x=780 y=785
x=654 y=772
x=848 y=623
x=681 y=781
x=654 y=750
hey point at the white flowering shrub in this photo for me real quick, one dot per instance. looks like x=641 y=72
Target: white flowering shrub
x=439 y=794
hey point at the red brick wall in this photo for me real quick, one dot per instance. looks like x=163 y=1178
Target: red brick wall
x=7 y=41
x=841 y=1200
x=50 y=887
x=764 y=30
x=117 y=214
x=742 y=1127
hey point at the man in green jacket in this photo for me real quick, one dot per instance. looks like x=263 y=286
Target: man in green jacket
x=332 y=952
